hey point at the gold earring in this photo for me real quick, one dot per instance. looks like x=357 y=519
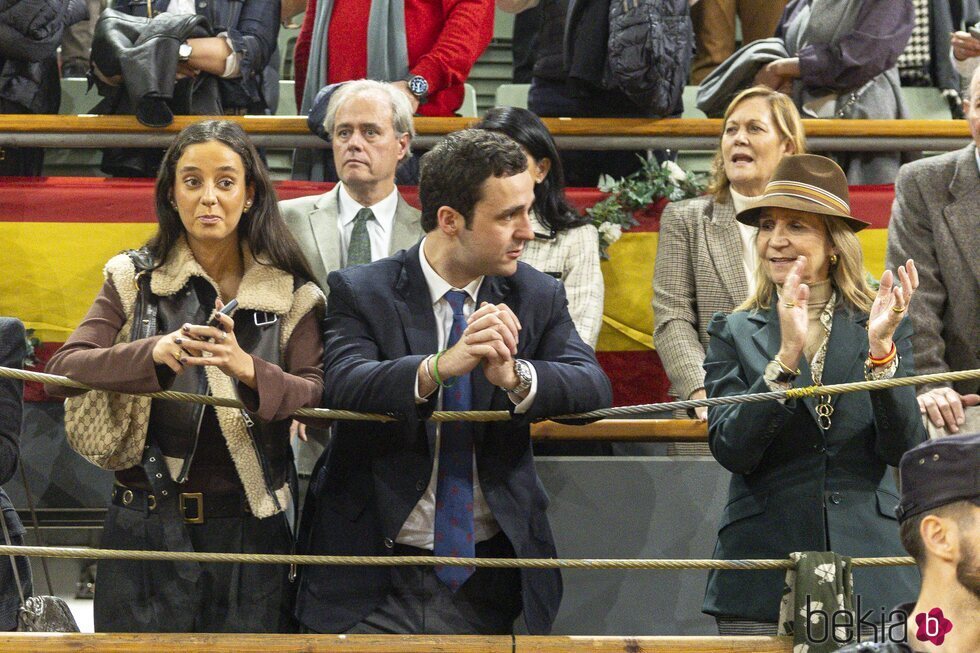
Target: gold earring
x=833 y=259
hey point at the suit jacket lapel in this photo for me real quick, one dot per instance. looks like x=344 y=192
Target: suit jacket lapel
x=725 y=247
x=846 y=349
x=415 y=307
x=961 y=215
x=406 y=228
x=323 y=223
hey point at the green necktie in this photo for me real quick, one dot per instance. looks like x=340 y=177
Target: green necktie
x=359 y=249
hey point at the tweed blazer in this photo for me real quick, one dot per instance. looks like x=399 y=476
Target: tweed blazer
x=572 y=257
x=698 y=272
x=313 y=222
x=935 y=222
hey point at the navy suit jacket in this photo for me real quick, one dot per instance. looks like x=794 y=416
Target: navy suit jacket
x=379 y=327
x=794 y=486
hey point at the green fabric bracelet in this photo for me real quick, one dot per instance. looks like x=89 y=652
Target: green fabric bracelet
x=435 y=371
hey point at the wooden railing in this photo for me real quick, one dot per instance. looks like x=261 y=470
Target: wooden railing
x=625 y=430
x=244 y=643
x=588 y=133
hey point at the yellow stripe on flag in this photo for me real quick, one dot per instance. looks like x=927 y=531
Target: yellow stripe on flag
x=51 y=271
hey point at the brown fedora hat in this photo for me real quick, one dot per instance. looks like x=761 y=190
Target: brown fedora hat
x=805 y=182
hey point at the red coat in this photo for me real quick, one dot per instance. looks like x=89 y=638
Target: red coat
x=445 y=38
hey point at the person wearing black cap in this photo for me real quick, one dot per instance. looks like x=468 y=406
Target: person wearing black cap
x=940 y=527
x=809 y=474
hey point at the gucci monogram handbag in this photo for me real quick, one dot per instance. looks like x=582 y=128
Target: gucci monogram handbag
x=106 y=428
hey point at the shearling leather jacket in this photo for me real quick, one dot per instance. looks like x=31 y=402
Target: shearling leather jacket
x=182 y=293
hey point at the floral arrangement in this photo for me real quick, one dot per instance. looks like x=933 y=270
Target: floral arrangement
x=645 y=187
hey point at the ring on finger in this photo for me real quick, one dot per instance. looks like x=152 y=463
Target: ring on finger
x=898 y=309
x=177 y=356
x=789 y=304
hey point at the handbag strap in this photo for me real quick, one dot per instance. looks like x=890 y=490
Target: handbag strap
x=37 y=526
x=13 y=561
x=165 y=490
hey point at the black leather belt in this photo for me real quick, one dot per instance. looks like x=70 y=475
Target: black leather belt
x=195 y=507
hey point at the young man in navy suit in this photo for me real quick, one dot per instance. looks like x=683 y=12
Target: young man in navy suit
x=454 y=323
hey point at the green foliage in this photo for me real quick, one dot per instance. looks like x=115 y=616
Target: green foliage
x=638 y=191
x=33 y=342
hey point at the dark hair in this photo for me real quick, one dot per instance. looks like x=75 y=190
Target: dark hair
x=452 y=173
x=550 y=205
x=909 y=529
x=261 y=228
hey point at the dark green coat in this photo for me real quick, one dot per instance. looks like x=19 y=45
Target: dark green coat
x=795 y=487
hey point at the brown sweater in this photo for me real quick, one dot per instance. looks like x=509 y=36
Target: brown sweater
x=90 y=357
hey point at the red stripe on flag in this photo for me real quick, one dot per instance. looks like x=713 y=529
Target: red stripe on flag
x=97 y=199
x=637 y=377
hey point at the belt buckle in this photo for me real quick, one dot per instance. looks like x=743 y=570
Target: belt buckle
x=197 y=497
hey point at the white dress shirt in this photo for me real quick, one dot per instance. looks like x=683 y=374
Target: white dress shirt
x=379 y=230
x=419 y=527
x=750 y=257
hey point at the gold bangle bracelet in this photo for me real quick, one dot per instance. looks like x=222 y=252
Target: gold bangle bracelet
x=786 y=369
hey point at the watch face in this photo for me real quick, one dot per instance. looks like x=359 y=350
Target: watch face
x=184 y=51
x=418 y=86
x=523 y=374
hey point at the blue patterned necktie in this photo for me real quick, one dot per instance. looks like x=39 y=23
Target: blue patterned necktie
x=454 y=489
x=359 y=248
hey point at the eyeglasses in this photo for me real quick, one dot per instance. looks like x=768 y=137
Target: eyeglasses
x=551 y=235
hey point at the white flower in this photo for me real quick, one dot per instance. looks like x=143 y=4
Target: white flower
x=826 y=572
x=840 y=601
x=610 y=232
x=677 y=174
x=840 y=634
x=606 y=183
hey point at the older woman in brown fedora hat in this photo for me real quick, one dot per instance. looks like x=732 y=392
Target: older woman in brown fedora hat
x=809 y=474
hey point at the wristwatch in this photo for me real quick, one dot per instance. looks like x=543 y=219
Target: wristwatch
x=775 y=373
x=523 y=371
x=184 y=52
x=419 y=87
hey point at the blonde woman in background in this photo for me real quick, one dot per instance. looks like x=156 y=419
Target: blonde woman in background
x=705 y=259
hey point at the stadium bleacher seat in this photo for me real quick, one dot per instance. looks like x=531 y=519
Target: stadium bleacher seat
x=512 y=95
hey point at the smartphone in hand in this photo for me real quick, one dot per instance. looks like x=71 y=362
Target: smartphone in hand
x=225 y=310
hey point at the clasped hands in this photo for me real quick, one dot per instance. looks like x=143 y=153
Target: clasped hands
x=197 y=345
x=887 y=311
x=490 y=339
